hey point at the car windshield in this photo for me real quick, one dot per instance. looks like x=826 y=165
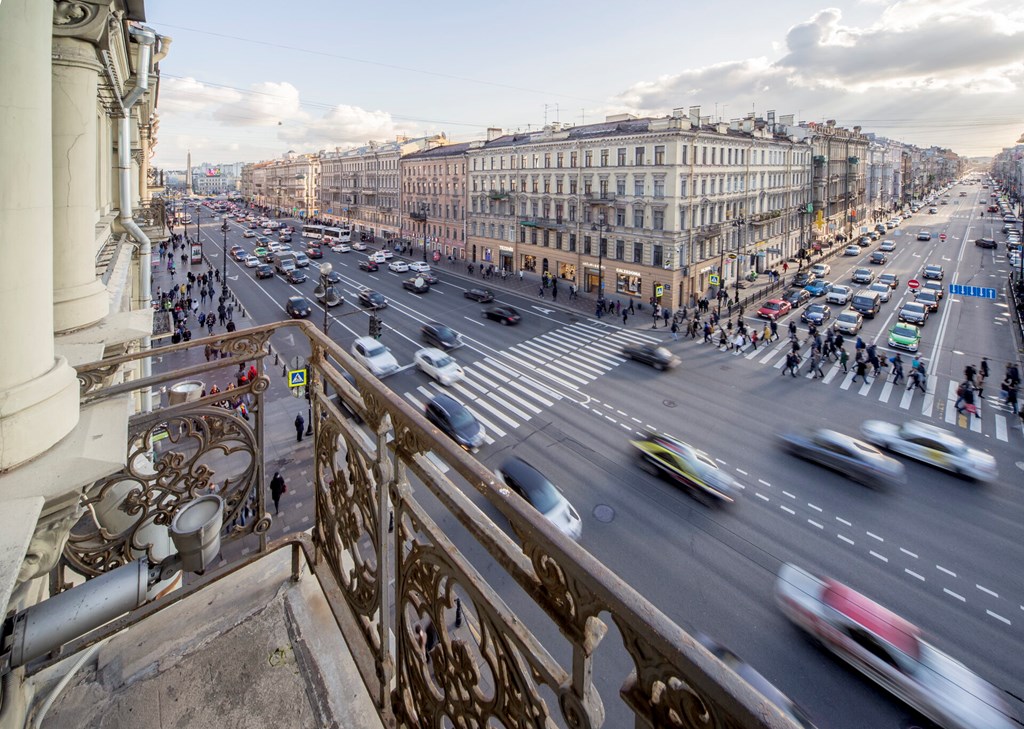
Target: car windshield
x=375 y=350
x=444 y=361
x=907 y=332
x=912 y=306
x=460 y=418
x=848 y=317
x=815 y=309
x=773 y=305
x=541 y=494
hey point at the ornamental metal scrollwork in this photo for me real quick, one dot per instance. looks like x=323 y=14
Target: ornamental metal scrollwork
x=207 y=449
x=569 y=603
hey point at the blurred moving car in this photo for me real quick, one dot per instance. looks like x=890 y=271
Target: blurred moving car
x=890 y=651
x=932 y=445
x=438 y=365
x=374 y=356
x=482 y=296
x=417 y=285
x=663 y=455
x=985 y=242
x=372 y=299
x=654 y=355
x=773 y=309
x=764 y=687
x=851 y=457
x=505 y=315
x=368 y=265
x=542 y=495
x=438 y=335
x=298 y=307
x=455 y=421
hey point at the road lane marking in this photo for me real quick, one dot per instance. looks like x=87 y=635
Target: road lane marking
x=961 y=598
x=986 y=590
x=908 y=552
x=814 y=523
x=761 y=481
x=816 y=508
x=874 y=536
x=789 y=494
x=844 y=538
x=914 y=574
x=761 y=496
x=998 y=617
x=943 y=569
x=876 y=554
x=787 y=510
x=741 y=471
x=843 y=521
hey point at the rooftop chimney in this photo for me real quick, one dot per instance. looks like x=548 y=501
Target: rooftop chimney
x=493 y=133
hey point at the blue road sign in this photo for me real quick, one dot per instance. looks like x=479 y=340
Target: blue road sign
x=977 y=291
x=297 y=378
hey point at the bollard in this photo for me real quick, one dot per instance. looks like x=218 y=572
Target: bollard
x=458 y=613
x=276 y=360
x=284 y=370
x=242 y=310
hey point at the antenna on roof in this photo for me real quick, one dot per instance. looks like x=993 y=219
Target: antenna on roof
x=583 y=115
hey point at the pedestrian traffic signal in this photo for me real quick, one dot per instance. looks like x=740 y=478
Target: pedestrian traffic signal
x=376 y=326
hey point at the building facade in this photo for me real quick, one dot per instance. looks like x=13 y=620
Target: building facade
x=286 y=186
x=434 y=197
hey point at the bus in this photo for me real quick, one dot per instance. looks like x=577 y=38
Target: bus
x=342 y=235
x=313 y=231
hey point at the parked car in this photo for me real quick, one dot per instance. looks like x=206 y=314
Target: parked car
x=541 y=494
x=480 y=295
x=502 y=314
x=654 y=355
x=890 y=651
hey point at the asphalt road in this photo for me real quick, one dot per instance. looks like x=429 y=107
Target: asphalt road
x=942 y=552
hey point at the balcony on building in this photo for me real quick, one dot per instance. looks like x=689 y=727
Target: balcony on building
x=599 y=198
x=318 y=627
x=497 y=195
x=539 y=222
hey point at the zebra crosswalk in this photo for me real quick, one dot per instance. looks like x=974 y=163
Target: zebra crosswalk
x=941 y=391
x=504 y=397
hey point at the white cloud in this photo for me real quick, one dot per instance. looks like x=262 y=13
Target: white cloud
x=342 y=126
x=265 y=104
x=188 y=96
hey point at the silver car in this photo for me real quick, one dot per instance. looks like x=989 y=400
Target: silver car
x=883 y=290
x=932 y=445
x=848 y=322
x=890 y=651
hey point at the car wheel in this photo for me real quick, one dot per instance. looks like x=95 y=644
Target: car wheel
x=504 y=322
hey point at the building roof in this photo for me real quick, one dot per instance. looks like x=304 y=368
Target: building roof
x=446 y=150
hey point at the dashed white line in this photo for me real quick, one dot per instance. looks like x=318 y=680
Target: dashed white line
x=625 y=426
x=843 y=521
x=816 y=508
x=914 y=574
x=874 y=536
x=786 y=493
x=961 y=598
x=761 y=496
x=636 y=420
x=765 y=483
x=814 y=523
x=876 y=554
x=940 y=568
x=986 y=590
x=845 y=539
x=998 y=617
x=908 y=552
x=625 y=415
x=609 y=417
x=721 y=461
x=787 y=510
x=742 y=472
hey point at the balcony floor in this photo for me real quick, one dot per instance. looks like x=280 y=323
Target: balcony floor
x=251 y=650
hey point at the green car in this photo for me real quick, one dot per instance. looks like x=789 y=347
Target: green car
x=260 y=252
x=905 y=336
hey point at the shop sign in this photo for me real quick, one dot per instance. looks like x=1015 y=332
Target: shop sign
x=510 y=249
x=627 y=272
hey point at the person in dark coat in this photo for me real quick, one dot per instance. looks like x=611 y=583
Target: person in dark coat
x=277 y=487
x=300 y=426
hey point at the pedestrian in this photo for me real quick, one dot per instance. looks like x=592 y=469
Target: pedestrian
x=655 y=315
x=540 y=291
x=554 y=293
x=520 y=273
x=792 y=364
x=277 y=487
x=625 y=315
x=753 y=339
x=983 y=372
x=675 y=330
x=665 y=314
x=707 y=332
x=1010 y=388
x=861 y=369
x=723 y=338
x=300 y=425
x=897 y=369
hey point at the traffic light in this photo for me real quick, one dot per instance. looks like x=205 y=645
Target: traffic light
x=376 y=326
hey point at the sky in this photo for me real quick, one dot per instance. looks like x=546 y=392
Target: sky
x=248 y=82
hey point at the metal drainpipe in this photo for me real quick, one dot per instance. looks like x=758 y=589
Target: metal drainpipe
x=146 y=39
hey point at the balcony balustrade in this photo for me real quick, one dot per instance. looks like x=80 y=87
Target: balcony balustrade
x=384 y=482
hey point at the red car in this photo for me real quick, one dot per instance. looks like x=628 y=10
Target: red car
x=774 y=308
x=314 y=252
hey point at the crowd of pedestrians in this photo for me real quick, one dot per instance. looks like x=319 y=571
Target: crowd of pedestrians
x=200 y=300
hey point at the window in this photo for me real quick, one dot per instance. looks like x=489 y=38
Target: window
x=604 y=157
x=588 y=159
x=547 y=238
x=558 y=241
x=620 y=187
x=638 y=156
x=558 y=185
x=547 y=184
x=682 y=186
x=547 y=159
x=638 y=217
x=572 y=186
x=638 y=252
x=572 y=213
x=621 y=157
x=572 y=159
x=657 y=256
x=659 y=155
x=659 y=188
x=587 y=245
x=659 y=220
x=620 y=250
x=572 y=242
x=620 y=218
x=638 y=187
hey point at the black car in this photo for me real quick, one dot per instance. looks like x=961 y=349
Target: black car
x=933 y=272
x=417 y=285
x=368 y=265
x=878 y=258
x=851 y=457
x=429 y=277
x=295 y=276
x=438 y=335
x=928 y=298
x=481 y=295
x=298 y=307
x=802 y=279
x=372 y=299
x=985 y=243
x=816 y=314
x=651 y=354
x=797 y=297
x=455 y=421
x=933 y=286
x=264 y=270
x=504 y=314
x=891 y=279
x=334 y=278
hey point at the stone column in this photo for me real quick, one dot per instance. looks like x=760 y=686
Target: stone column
x=38 y=392
x=79 y=297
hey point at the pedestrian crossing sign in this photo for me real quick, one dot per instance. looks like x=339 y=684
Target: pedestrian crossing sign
x=297 y=378
x=713 y=279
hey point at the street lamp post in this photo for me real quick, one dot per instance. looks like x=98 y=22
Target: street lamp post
x=326 y=269
x=420 y=216
x=740 y=223
x=601 y=226
x=224 y=262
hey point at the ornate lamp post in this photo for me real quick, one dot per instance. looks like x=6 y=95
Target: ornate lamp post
x=421 y=216
x=224 y=262
x=602 y=226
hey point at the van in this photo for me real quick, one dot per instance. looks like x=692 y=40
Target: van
x=868 y=303
x=284 y=262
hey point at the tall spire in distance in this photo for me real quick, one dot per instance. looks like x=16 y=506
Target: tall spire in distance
x=188 y=174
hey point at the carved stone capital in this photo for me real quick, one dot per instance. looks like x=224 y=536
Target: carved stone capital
x=83 y=19
x=47 y=543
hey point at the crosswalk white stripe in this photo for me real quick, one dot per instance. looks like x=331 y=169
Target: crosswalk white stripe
x=1001 y=427
x=866 y=386
x=831 y=374
x=928 y=402
x=497 y=413
x=950 y=402
x=521 y=401
x=513 y=384
x=519 y=353
x=468 y=380
x=527 y=380
x=561 y=370
x=483 y=421
x=473 y=373
x=602 y=355
x=848 y=380
x=561 y=341
x=975 y=422
x=589 y=329
x=553 y=343
x=536 y=349
x=576 y=339
x=886 y=391
x=425 y=392
x=496 y=374
x=781 y=363
x=908 y=396
x=610 y=350
x=511 y=408
x=635 y=336
x=419 y=406
x=586 y=363
x=770 y=353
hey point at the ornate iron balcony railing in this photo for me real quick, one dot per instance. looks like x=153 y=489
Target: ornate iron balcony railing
x=368 y=473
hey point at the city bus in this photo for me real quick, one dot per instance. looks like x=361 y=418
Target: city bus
x=342 y=235
x=313 y=231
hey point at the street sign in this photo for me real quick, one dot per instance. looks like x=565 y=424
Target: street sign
x=978 y=291
x=913 y=284
x=713 y=279
x=297 y=378
x=731 y=256
x=659 y=290
x=296 y=363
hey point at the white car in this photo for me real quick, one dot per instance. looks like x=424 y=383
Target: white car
x=883 y=290
x=888 y=245
x=268 y=231
x=275 y=247
x=821 y=269
x=839 y=294
x=398 y=266
x=848 y=322
x=249 y=233
x=388 y=254
x=438 y=365
x=419 y=266
x=851 y=251
x=359 y=246
x=374 y=356
x=376 y=257
x=890 y=651
x=341 y=248
x=251 y=261
x=933 y=445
